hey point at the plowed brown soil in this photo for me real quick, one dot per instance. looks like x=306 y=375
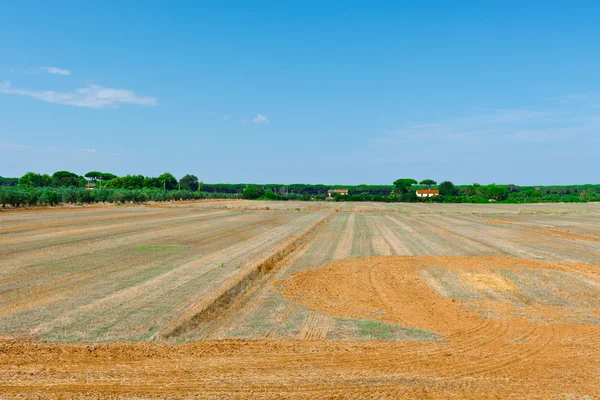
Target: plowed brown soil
x=530 y=349
x=518 y=318
x=500 y=355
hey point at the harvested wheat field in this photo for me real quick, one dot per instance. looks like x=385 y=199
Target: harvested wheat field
x=237 y=299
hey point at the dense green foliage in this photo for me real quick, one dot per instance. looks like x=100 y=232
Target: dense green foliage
x=189 y=182
x=66 y=178
x=8 y=181
x=67 y=187
x=18 y=196
x=403 y=185
x=252 y=193
x=94 y=175
x=428 y=182
x=447 y=188
x=495 y=192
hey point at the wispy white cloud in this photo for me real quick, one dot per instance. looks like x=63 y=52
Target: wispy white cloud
x=57 y=149
x=55 y=70
x=38 y=70
x=12 y=146
x=226 y=117
x=538 y=132
x=91 y=96
x=260 y=119
x=245 y=120
x=499 y=125
x=574 y=97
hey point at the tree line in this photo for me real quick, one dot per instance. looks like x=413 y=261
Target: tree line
x=68 y=187
x=164 y=181
x=17 y=196
x=477 y=193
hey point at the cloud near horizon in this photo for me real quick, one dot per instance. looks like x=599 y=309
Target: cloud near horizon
x=18 y=147
x=260 y=119
x=565 y=121
x=55 y=70
x=91 y=96
x=502 y=138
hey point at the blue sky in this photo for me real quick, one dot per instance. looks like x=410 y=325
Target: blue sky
x=342 y=92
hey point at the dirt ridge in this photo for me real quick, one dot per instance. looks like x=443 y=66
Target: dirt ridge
x=225 y=296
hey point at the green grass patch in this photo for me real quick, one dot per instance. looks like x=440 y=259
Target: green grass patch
x=157 y=249
x=375 y=329
x=359 y=329
x=60 y=266
x=293 y=325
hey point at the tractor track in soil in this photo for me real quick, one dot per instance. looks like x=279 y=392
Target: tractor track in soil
x=297 y=284
x=492 y=346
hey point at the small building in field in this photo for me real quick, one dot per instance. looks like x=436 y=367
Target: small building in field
x=333 y=192
x=428 y=192
x=90 y=186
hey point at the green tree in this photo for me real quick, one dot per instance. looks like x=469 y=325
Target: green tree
x=150 y=183
x=47 y=180
x=403 y=185
x=189 y=182
x=447 y=188
x=252 y=193
x=31 y=179
x=94 y=175
x=66 y=178
x=496 y=192
x=107 y=177
x=532 y=193
x=467 y=190
x=9 y=181
x=167 y=181
x=50 y=197
x=428 y=183
x=269 y=195
x=135 y=181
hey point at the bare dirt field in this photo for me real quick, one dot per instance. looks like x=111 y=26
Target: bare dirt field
x=255 y=299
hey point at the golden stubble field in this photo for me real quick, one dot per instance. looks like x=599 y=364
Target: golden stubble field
x=307 y=300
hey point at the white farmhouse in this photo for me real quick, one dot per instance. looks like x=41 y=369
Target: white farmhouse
x=428 y=193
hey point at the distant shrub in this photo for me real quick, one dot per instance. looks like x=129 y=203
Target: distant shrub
x=252 y=193
x=49 y=197
x=497 y=192
x=269 y=195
